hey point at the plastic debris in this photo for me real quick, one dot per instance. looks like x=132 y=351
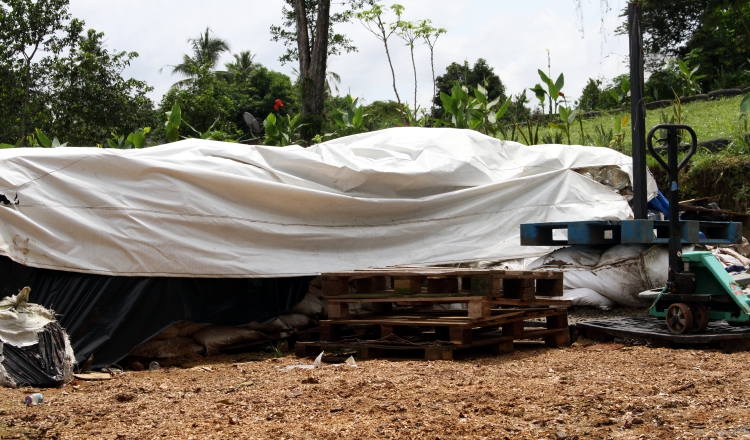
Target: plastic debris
x=316 y=364
x=33 y=399
x=350 y=362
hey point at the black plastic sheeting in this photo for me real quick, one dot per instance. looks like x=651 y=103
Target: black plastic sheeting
x=109 y=316
x=39 y=365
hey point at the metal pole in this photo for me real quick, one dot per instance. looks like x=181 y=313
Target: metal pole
x=637 y=112
x=675 y=233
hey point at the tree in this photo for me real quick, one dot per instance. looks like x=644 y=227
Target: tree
x=712 y=33
x=480 y=73
x=258 y=92
x=312 y=22
x=242 y=66
x=91 y=99
x=590 y=95
x=205 y=101
x=32 y=35
x=207 y=50
x=337 y=43
x=372 y=20
x=430 y=35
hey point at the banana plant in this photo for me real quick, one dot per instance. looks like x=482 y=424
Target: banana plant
x=620 y=94
x=174 y=119
x=473 y=112
x=351 y=117
x=744 y=112
x=136 y=139
x=691 y=79
x=568 y=116
x=554 y=89
x=282 y=131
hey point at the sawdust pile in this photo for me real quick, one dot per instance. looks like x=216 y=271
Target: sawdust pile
x=584 y=391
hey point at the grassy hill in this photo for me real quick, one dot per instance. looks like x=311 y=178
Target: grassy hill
x=724 y=173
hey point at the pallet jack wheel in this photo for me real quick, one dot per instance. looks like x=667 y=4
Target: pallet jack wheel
x=679 y=318
x=700 y=317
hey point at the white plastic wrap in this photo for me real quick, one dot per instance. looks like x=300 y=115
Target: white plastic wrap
x=198 y=208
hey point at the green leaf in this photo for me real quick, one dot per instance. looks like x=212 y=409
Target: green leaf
x=745 y=105
x=613 y=93
x=358 y=115
x=563 y=113
x=545 y=78
x=493 y=102
x=553 y=91
x=270 y=119
x=175 y=116
x=3 y=146
x=625 y=86
x=560 y=82
x=138 y=139
x=111 y=143
x=539 y=92
x=43 y=140
x=683 y=67
x=446 y=100
x=501 y=112
x=338 y=118
x=572 y=116
x=172 y=132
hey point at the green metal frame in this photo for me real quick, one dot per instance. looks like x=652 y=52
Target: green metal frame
x=710 y=279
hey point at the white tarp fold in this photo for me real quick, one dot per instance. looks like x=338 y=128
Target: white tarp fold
x=199 y=208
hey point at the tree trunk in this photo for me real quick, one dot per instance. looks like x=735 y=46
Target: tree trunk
x=312 y=66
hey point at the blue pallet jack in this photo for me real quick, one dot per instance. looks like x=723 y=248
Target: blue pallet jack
x=698 y=288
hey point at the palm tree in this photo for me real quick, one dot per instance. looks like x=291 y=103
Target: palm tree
x=242 y=65
x=332 y=78
x=206 y=52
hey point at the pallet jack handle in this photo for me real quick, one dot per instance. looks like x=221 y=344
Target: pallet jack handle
x=673 y=168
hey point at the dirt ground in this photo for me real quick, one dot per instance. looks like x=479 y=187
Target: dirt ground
x=588 y=390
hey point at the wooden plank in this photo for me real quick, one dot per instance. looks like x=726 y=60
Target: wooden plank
x=557 y=321
x=438 y=354
x=519 y=288
x=338 y=310
x=408 y=285
x=335 y=286
x=369 y=285
x=549 y=287
x=532 y=303
x=513 y=329
x=442 y=285
x=479 y=309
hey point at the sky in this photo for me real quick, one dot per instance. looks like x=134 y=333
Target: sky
x=514 y=37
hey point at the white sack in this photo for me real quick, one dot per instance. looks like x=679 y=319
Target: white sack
x=199 y=208
x=297 y=321
x=587 y=297
x=309 y=306
x=215 y=337
x=618 y=273
x=167 y=348
x=181 y=328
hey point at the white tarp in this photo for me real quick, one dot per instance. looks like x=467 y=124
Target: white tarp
x=199 y=208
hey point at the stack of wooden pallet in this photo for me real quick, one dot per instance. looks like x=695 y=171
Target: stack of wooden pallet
x=405 y=321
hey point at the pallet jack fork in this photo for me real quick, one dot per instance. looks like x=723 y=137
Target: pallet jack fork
x=698 y=288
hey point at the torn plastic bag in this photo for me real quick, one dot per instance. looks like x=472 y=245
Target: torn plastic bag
x=34 y=349
x=45 y=364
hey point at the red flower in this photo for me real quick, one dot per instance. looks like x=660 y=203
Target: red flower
x=278 y=104
x=558 y=94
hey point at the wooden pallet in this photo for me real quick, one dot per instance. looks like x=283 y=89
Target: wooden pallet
x=478 y=307
x=434 y=280
x=393 y=347
x=447 y=326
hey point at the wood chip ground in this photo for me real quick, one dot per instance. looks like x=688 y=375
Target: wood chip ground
x=584 y=391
